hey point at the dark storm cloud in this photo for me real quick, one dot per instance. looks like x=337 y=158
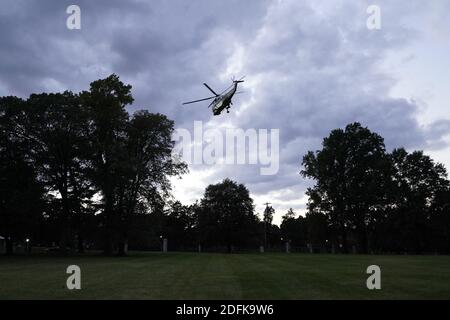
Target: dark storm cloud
x=311 y=67
x=164 y=49
x=319 y=73
x=39 y=53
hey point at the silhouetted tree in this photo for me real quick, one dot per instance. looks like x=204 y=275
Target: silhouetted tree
x=294 y=229
x=267 y=219
x=417 y=199
x=55 y=127
x=106 y=101
x=317 y=229
x=180 y=226
x=145 y=166
x=21 y=194
x=351 y=174
x=227 y=214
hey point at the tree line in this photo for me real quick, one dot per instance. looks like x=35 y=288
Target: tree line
x=77 y=171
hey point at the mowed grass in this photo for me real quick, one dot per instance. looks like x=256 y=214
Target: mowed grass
x=223 y=276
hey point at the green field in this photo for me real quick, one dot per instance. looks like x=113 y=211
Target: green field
x=222 y=276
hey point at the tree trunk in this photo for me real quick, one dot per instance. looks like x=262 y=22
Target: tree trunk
x=108 y=223
x=123 y=247
x=9 y=246
x=108 y=232
x=364 y=242
x=344 y=241
x=63 y=241
x=265 y=235
x=109 y=247
x=80 y=243
x=64 y=222
x=123 y=243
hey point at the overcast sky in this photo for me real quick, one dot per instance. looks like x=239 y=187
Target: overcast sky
x=311 y=66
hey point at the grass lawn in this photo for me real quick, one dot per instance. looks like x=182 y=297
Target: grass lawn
x=222 y=276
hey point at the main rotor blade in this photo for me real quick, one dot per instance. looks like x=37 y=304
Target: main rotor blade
x=199 y=100
x=210 y=89
x=228 y=88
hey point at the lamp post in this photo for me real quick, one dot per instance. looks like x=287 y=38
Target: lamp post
x=27 y=245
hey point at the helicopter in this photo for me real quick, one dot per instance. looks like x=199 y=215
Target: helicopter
x=221 y=101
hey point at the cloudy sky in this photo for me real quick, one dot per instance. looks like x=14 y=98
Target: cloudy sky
x=311 y=66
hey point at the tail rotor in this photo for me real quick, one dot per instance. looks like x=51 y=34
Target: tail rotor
x=238 y=81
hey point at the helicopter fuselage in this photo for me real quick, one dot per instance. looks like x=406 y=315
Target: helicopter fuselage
x=224 y=101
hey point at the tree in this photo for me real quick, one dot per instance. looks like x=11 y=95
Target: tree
x=317 y=229
x=440 y=222
x=106 y=101
x=351 y=173
x=21 y=194
x=267 y=219
x=180 y=226
x=55 y=128
x=131 y=159
x=145 y=166
x=227 y=215
x=294 y=229
x=420 y=187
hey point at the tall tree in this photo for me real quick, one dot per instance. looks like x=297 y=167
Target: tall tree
x=420 y=186
x=351 y=173
x=106 y=101
x=21 y=194
x=145 y=166
x=56 y=129
x=227 y=214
